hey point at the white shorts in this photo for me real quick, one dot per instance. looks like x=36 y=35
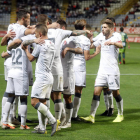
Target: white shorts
x=41 y=89
x=6 y=70
x=58 y=83
x=80 y=78
x=17 y=86
x=110 y=81
x=30 y=76
x=69 y=84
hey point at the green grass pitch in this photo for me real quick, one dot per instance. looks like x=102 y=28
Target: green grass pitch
x=103 y=129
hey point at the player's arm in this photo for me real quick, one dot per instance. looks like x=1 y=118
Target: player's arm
x=80 y=32
x=5 y=39
x=5 y=54
x=92 y=46
x=54 y=25
x=37 y=41
x=77 y=50
x=29 y=31
x=30 y=56
x=89 y=56
x=14 y=44
x=117 y=44
x=128 y=43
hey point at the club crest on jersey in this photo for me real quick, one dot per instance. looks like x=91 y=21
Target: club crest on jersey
x=65 y=42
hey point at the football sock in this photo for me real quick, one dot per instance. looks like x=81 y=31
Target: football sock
x=94 y=105
x=4 y=100
x=124 y=56
x=69 y=110
x=45 y=111
x=15 y=105
x=119 y=103
x=76 y=104
x=41 y=118
x=6 y=109
x=110 y=99
x=58 y=105
x=10 y=116
x=19 y=114
x=63 y=113
x=23 y=111
x=106 y=100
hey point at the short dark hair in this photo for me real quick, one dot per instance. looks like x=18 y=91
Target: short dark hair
x=109 y=23
x=88 y=27
x=22 y=13
x=62 y=23
x=42 y=19
x=50 y=20
x=111 y=18
x=42 y=28
x=96 y=28
x=80 y=24
x=121 y=29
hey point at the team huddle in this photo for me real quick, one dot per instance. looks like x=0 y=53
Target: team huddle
x=60 y=56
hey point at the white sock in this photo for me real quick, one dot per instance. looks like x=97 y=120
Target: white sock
x=45 y=111
x=120 y=107
x=69 y=111
x=106 y=101
x=76 y=105
x=63 y=113
x=15 y=105
x=6 y=112
x=19 y=114
x=110 y=100
x=58 y=110
x=4 y=100
x=10 y=116
x=94 y=106
x=41 y=118
x=48 y=103
x=23 y=111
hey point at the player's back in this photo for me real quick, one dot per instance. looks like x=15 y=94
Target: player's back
x=19 y=64
x=45 y=54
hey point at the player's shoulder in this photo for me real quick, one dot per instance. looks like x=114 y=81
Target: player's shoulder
x=116 y=34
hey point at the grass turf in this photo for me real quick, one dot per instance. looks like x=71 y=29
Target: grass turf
x=103 y=129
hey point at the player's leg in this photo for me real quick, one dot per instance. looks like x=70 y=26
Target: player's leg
x=124 y=55
x=69 y=110
x=76 y=103
x=119 y=58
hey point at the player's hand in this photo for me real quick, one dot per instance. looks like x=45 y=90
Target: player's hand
x=24 y=47
x=39 y=41
x=89 y=33
x=31 y=27
x=109 y=43
x=11 y=34
x=64 y=52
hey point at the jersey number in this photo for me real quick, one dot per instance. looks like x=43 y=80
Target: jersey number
x=16 y=55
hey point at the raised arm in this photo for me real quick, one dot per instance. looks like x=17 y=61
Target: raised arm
x=80 y=32
x=5 y=54
x=5 y=39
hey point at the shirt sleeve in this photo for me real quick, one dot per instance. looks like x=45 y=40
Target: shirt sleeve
x=97 y=37
x=22 y=31
x=97 y=43
x=9 y=52
x=36 y=51
x=66 y=33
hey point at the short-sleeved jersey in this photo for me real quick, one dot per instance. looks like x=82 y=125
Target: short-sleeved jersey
x=98 y=37
x=57 y=36
x=19 y=68
x=45 y=54
x=109 y=56
x=29 y=37
x=124 y=37
x=67 y=62
x=19 y=30
x=80 y=64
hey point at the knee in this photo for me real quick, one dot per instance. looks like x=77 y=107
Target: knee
x=67 y=98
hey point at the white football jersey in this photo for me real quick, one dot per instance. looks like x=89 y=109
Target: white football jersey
x=109 y=56
x=79 y=59
x=19 y=30
x=57 y=36
x=19 y=68
x=29 y=37
x=45 y=54
x=99 y=36
x=67 y=62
